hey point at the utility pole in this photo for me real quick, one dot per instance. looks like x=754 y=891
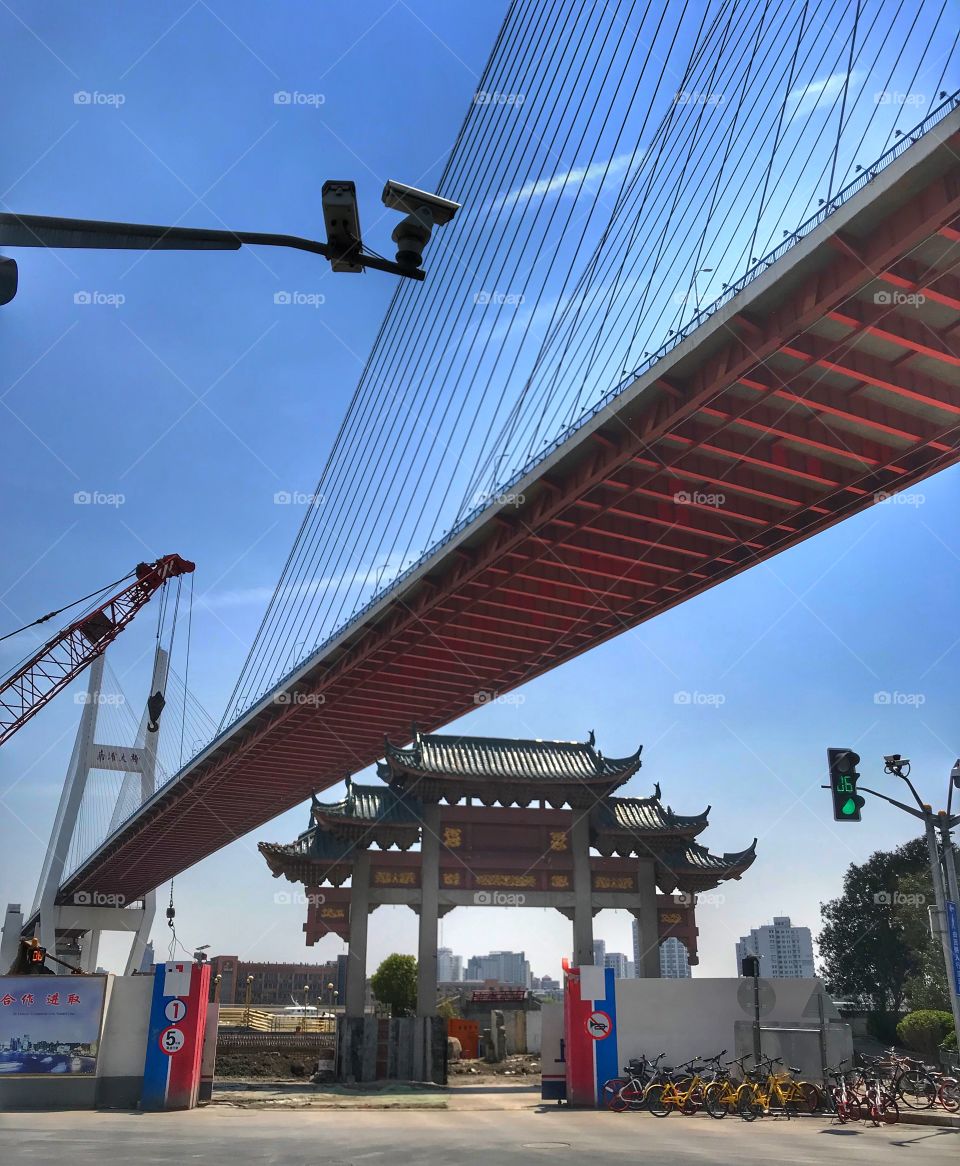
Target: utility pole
x=941 y=902
x=941 y=860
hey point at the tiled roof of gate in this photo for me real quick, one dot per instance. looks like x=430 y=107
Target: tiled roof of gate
x=374 y=804
x=693 y=856
x=502 y=759
x=645 y=814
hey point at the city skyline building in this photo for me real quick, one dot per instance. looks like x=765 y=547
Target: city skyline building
x=674 y=964
x=785 y=952
x=622 y=967
x=449 y=966
x=503 y=967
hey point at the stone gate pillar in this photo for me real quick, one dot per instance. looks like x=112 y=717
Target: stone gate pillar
x=357 y=950
x=429 y=911
x=645 y=913
x=582 y=889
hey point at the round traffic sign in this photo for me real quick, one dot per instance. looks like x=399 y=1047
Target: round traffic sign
x=599 y=1025
x=175 y=1011
x=172 y=1040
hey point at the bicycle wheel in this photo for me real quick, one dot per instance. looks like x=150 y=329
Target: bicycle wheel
x=713 y=1101
x=889 y=1110
x=949 y=1094
x=610 y=1094
x=633 y=1095
x=917 y=1090
x=809 y=1097
x=655 y=1102
x=748 y=1104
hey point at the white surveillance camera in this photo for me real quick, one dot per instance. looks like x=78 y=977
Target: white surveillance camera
x=424 y=212
x=342 y=221
x=400 y=197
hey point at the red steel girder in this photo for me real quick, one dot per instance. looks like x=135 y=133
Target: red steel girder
x=859 y=366
x=139 y=856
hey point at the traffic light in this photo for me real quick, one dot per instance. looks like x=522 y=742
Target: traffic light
x=38 y=956
x=847 y=803
x=750 y=966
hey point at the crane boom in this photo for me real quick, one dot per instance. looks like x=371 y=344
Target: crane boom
x=64 y=657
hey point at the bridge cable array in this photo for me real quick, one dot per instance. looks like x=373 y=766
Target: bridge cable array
x=620 y=166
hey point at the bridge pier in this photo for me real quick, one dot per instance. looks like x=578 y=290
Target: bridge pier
x=72 y=930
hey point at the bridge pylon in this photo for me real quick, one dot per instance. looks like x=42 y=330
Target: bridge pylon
x=72 y=930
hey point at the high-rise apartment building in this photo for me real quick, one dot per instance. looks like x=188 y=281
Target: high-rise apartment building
x=504 y=967
x=449 y=966
x=674 y=964
x=785 y=951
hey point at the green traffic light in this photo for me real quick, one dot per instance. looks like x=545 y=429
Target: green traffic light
x=849 y=807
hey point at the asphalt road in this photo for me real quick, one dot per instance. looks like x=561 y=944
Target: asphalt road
x=231 y=1137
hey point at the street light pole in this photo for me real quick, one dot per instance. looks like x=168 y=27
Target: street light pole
x=940 y=899
x=945 y=917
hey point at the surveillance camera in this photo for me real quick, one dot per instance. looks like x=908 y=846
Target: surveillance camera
x=8 y=280
x=400 y=197
x=891 y=759
x=342 y=221
x=424 y=212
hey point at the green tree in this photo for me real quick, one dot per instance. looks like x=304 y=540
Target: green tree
x=926 y=986
x=925 y=1031
x=866 y=944
x=448 y=1009
x=394 y=983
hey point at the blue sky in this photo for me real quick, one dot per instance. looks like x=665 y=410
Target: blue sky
x=190 y=400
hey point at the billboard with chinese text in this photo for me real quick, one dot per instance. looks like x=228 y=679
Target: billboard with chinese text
x=50 y=1024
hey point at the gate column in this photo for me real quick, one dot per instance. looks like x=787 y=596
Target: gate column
x=582 y=889
x=645 y=914
x=429 y=911
x=357 y=950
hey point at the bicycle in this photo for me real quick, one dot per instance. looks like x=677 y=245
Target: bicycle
x=767 y=1091
x=880 y=1104
x=620 y=1093
x=912 y=1082
x=722 y=1096
x=948 y=1092
x=846 y=1104
x=685 y=1095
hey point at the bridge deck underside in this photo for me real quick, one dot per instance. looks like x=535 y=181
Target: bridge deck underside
x=837 y=384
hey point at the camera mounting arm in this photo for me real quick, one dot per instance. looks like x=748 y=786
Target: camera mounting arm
x=46 y=231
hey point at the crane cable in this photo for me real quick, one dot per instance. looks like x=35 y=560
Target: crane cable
x=66 y=607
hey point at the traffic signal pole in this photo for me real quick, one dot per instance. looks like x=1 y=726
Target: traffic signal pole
x=943 y=867
x=938 y=893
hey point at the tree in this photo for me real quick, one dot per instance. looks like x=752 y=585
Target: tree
x=866 y=945
x=448 y=1009
x=394 y=983
x=926 y=987
x=925 y=1031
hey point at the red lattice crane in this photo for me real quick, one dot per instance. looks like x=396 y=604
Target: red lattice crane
x=63 y=658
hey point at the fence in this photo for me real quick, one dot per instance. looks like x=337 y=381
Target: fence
x=410 y=1048
x=259 y=1020
x=245 y=1042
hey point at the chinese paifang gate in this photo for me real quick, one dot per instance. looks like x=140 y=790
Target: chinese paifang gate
x=500 y=822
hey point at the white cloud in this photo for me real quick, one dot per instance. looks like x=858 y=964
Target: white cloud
x=820 y=93
x=247 y=596
x=567 y=181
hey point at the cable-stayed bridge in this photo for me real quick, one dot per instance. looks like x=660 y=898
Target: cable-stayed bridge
x=560 y=499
